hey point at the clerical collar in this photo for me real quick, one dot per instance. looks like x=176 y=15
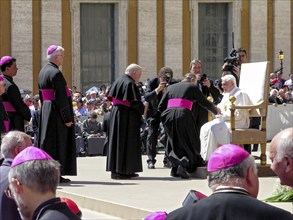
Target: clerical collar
x=9 y=77
x=231 y=189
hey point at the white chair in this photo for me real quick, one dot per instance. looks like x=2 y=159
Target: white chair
x=254 y=81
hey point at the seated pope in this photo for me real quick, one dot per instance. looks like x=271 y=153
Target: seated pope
x=216 y=132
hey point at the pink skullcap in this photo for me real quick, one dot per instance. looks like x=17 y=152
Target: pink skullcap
x=225 y=156
x=158 y=215
x=30 y=153
x=5 y=59
x=1 y=78
x=51 y=49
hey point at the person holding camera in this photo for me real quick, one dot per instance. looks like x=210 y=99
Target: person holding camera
x=232 y=66
x=154 y=92
x=233 y=63
x=207 y=88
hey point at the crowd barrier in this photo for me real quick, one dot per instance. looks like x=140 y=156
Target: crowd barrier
x=279 y=117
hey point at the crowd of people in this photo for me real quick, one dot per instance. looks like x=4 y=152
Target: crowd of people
x=163 y=106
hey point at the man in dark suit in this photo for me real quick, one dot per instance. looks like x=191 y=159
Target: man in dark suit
x=232 y=176
x=207 y=88
x=12 y=143
x=154 y=92
x=17 y=110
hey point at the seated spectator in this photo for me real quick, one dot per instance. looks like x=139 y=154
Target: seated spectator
x=102 y=92
x=216 y=132
x=274 y=97
x=76 y=95
x=232 y=176
x=13 y=143
x=33 y=180
x=90 y=105
x=35 y=104
x=289 y=97
x=80 y=109
x=282 y=96
x=289 y=82
x=28 y=100
x=91 y=126
x=275 y=84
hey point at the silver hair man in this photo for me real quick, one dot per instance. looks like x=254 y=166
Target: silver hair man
x=13 y=142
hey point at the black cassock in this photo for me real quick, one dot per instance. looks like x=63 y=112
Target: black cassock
x=124 y=155
x=183 y=143
x=55 y=137
x=20 y=110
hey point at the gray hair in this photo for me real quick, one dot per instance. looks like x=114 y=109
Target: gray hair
x=229 y=78
x=284 y=145
x=232 y=176
x=55 y=53
x=189 y=76
x=38 y=175
x=12 y=140
x=132 y=68
x=193 y=62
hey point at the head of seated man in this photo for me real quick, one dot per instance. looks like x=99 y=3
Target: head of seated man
x=93 y=116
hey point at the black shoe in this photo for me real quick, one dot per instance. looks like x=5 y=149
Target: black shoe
x=181 y=171
x=119 y=176
x=167 y=165
x=202 y=164
x=151 y=165
x=64 y=180
x=173 y=172
x=133 y=175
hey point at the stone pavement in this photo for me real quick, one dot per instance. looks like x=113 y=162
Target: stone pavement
x=153 y=190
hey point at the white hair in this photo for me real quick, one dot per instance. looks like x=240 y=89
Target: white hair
x=132 y=68
x=274 y=91
x=12 y=140
x=284 y=145
x=229 y=78
x=56 y=52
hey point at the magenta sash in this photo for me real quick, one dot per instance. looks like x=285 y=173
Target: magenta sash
x=8 y=107
x=119 y=102
x=68 y=92
x=6 y=125
x=49 y=95
x=180 y=103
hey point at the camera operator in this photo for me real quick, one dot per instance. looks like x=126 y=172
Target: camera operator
x=153 y=94
x=207 y=87
x=233 y=63
x=235 y=59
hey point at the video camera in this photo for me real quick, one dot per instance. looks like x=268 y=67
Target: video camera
x=203 y=78
x=231 y=60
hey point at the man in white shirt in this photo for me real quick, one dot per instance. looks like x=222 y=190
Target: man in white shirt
x=216 y=132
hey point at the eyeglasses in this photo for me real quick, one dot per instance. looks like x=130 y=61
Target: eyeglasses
x=8 y=193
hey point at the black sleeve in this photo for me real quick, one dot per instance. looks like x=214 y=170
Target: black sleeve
x=15 y=99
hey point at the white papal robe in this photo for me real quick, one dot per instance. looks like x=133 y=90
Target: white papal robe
x=217 y=132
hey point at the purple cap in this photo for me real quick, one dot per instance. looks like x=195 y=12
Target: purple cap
x=157 y=215
x=1 y=78
x=51 y=49
x=225 y=156
x=5 y=59
x=30 y=153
